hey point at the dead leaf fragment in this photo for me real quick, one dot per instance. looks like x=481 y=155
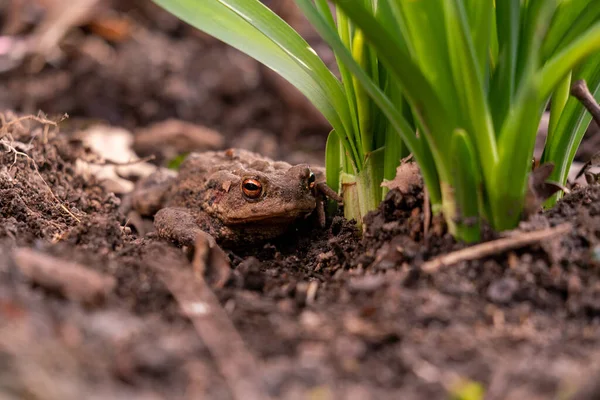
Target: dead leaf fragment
x=590 y=176
x=407 y=176
x=540 y=188
x=116 y=158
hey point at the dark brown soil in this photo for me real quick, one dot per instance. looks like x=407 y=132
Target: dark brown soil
x=326 y=313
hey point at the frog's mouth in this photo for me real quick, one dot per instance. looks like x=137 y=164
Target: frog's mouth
x=286 y=215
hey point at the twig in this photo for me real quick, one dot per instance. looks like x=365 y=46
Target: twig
x=580 y=91
x=494 y=247
x=201 y=306
x=73 y=280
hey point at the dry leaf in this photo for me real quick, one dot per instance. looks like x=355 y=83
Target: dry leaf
x=407 y=176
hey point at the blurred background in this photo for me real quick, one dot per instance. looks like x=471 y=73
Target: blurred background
x=129 y=64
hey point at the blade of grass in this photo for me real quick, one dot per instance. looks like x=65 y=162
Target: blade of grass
x=467 y=187
x=343 y=28
x=561 y=147
x=559 y=66
x=399 y=123
x=517 y=137
x=363 y=104
x=354 y=134
x=333 y=158
x=559 y=101
x=424 y=26
x=479 y=16
x=535 y=23
x=423 y=98
x=473 y=106
x=502 y=85
x=515 y=158
x=570 y=20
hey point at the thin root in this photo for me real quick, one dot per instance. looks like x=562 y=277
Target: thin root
x=41 y=118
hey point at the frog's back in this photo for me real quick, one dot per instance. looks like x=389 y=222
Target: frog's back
x=228 y=160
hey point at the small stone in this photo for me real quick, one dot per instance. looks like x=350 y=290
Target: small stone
x=596 y=253
x=574 y=285
x=310 y=320
x=503 y=290
x=367 y=283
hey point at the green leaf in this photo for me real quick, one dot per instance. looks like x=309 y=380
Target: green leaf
x=561 y=147
x=535 y=23
x=515 y=148
x=424 y=27
x=255 y=30
x=475 y=116
x=467 y=187
x=363 y=104
x=396 y=119
x=333 y=161
x=559 y=66
x=502 y=87
x=479 y=16
x=559 y=101
x=343 y=30
x=176 y=161
x=571 y=18
x=424 y=100
x=467 y=390
x=517 y=136
x=395 y=149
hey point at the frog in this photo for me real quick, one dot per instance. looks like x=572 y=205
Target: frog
x=232 y=197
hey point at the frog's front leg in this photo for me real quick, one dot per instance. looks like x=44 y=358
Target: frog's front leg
x=180 y=226
x=322 y=192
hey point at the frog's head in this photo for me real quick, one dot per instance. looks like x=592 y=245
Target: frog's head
x=264 y=194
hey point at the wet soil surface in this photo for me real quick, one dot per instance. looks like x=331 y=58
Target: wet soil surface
x=326 y=313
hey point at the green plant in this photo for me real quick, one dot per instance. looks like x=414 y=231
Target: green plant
x=463 y=83
x=467 y=390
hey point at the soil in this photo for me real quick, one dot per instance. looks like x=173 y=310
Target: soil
x=326 y=313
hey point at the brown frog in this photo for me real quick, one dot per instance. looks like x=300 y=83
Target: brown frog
x=235 y=196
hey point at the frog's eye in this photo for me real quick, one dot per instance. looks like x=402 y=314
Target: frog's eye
x=252 y=188
x=311 y=181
